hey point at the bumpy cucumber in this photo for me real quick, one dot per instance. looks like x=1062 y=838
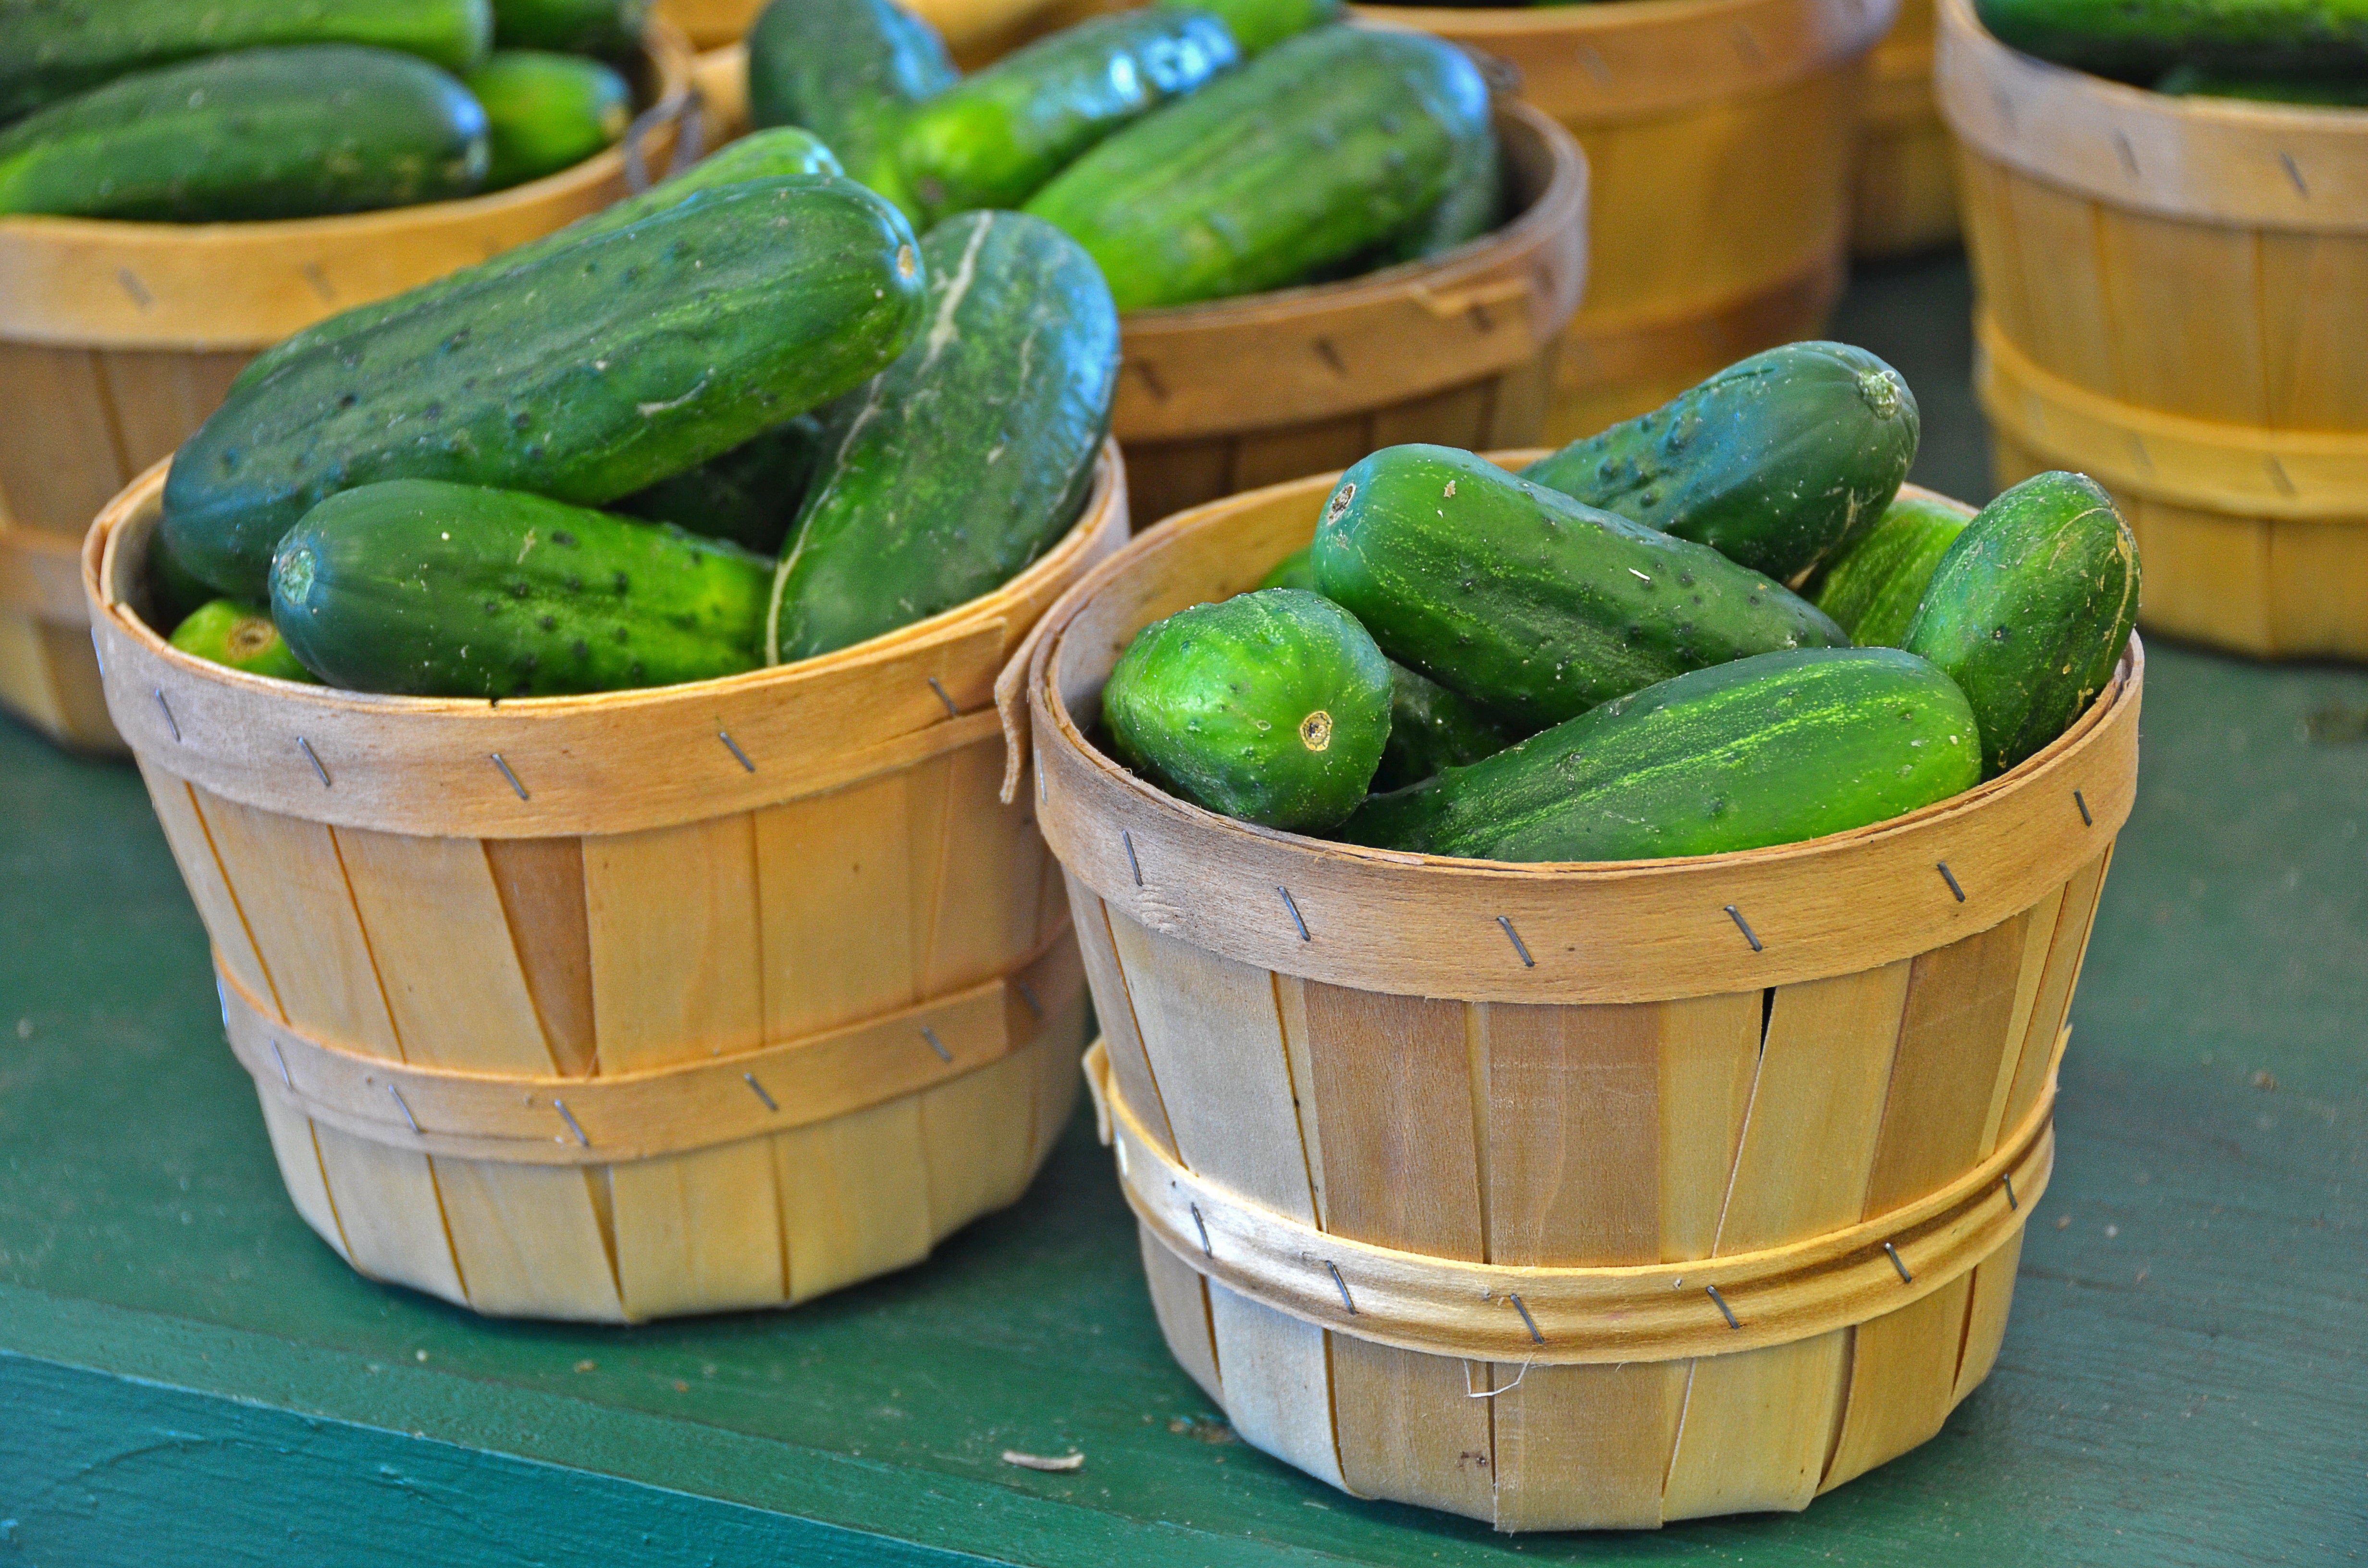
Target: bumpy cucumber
x=1321 y=148
x=1873 y=588
x=1259 y=25
x=1271 y=707
x=292 y=132
x=1774 y=461
x=592 y=373
x=967 y=457
x=763 y=154
x=1531 y=604
x=431 y=589
x=545 y=112
x=2139 y=40
x=747 y=495
x=2030 y=609
x=848 y=71
x=54 y=49
x=992 y=140
x=1771 y=749
x=242 y=637
x=609 y=27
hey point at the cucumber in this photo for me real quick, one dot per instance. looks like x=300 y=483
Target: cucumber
x=1321 y=148
x=1872 y=588
x=2137 y=41
x=1774 y=461
x=848 y=71
x=2193 y=82
x=1474 y=206
x=1257 y=25
x=546 y=112
x=763 y=154
x=428 y=589
x=993 y=140
x=747 y=495
x=1533 y=605
x=294 y=132
x=242 y=637
x=1270 y=707
x=967 y=457
x=54 y=48
x=593 y=371
x=1771 y=749
x=2030 y=609
x=612 y=28
x=1296 y=570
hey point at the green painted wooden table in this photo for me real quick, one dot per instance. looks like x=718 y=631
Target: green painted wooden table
x=186 y=1376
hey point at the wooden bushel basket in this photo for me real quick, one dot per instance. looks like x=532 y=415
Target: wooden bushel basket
x=1721 y=135
x=117 y=339
x=2173 y=296
x=707 y=997
x=1906 y=199
x=1569 y=1195
x=1226 y=396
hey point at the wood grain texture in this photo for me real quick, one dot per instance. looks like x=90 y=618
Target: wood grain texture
x=532 y=1241
x=1278 y=1375
x=390 y=1213
x=1902 y=1371
x=698 y=1232
x=542 y=885
x=1180 y=1300
x=1905 y=199
x=1584 y=1447
x=854 y=1196
x=676 y=966
x=1757 y=1429
x=300 y=1166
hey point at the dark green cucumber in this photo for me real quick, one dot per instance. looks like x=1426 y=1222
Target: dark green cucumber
x=1536 y=605
x=971 y=455
x=54 y=48
x=2192 y=82
x=294 y=132
x=1271 y=707
x=848 y=71
x=175 y=592
x=2030 y=609
x=1774 y=461
x=612 y=28
x=2137 y=41
x=763 y=154
x=994 y=139
x=428 y=589
x=242 y=637
x=1872 y=588
x=747 y=495
x=1473 y=205
x=1771 y=749
x=1259 y=25
x=1296 y=570
x=592 y=373
x=545 y=112
x=1320 y=149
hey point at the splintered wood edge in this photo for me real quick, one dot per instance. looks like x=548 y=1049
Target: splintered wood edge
x=602 y=762
x=1614 y=932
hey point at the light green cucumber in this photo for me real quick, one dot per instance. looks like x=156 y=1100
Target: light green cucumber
x=242 y=637
x=1873 y=588
x=545 y=112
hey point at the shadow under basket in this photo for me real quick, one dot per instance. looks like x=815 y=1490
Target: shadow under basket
x=1569 y=1195
x=608 y=1007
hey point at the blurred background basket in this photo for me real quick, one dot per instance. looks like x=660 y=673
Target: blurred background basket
x=1905 y=197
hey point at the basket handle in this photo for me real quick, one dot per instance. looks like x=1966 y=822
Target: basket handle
x=686 y=111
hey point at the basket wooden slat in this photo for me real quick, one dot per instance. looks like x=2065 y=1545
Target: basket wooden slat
x=1905 y=195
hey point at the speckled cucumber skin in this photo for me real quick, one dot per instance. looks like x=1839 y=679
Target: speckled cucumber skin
x=241 y=637
x=1775 y=461
x=747 y=495
x=1528 y=603
x=1271 y=707
x=2030 y=609
x=849 y=71
x=971 y=455
x=1771 y=749
x=1872 y=587
x=546 y=111
x=1321 y=148
x=430 y=589
x=994 y=138
x=589 y=374
x=2136 y=41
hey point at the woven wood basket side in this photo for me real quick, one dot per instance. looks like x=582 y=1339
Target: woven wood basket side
x=1905 y=197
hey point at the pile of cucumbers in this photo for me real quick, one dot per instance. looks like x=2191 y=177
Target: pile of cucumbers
x=1716 y=626
x=230 y=110
x=1196 y=152
x=2313 y=52
x=744 y=418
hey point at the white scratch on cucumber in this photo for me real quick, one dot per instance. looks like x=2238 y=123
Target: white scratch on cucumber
x=943 y=330
x=647 y=409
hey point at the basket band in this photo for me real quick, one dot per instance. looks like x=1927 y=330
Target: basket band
x=1570 y=1316
x=41 y=576
x=2207 y=465
x=517 y=1119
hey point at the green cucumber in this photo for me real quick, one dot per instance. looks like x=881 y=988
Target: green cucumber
x=2030 y=609
x=1270 y=707
x=612 y=28
x=546 y=112
x=428 y=589
x=1531 y=604
x=1474 y=206
x=2192 y=82
x=1771 y=749
x=848 y=71
x=1774 y=461
x=1259 y=25
x=2137 y=41
x=294 y=132
x=1296 y=570
x=225 y=631
x=763 y=154
x=54 y=48
x=971 y=455
x=1321 y=148
x=747 y=495
x=1872 y=588
x=593 y=371
x=994 y=139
